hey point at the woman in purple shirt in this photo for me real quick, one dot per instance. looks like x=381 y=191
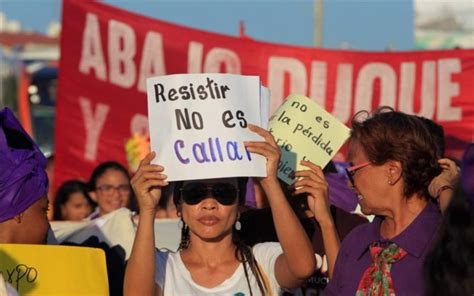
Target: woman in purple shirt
x=394 y=160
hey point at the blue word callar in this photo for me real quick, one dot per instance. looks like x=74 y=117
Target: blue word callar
x=211 y=150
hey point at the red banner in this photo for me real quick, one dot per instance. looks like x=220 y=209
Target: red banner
x=107 y=53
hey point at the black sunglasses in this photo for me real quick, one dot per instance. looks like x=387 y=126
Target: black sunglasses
x=225 y=193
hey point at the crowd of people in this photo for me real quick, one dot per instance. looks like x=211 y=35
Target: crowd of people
x=421 y=241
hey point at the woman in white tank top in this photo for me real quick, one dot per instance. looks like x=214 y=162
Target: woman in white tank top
x=211 y=259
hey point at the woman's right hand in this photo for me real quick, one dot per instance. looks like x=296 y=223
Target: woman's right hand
x=147 y=184
x=268 y=149
x=313 y=183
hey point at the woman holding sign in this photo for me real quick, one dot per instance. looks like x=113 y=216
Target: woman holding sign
x=394 y=161
x=211 y=258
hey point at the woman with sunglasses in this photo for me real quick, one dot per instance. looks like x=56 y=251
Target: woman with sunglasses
x=394 y=160
x=211 y=258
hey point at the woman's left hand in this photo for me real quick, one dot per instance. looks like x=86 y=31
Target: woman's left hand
x=313 y=183
x=268 y=149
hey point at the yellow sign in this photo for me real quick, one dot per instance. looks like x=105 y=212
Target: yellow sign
x=54 y=270
x=305 y=131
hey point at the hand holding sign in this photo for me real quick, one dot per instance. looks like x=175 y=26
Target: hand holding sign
x=147 y=184
x=268 y=149
x=305 y=131
x=312 y=182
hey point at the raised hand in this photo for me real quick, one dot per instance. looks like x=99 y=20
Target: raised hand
x=268 y=149
x=313 y=183
x=449 y=177
x=147 y=184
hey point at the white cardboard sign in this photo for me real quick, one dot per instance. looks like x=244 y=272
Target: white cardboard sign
x=198 y=123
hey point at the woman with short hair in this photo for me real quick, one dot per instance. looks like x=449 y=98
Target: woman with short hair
x=393 y=161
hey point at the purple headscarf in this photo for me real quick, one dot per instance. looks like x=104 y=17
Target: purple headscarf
x=23 y=179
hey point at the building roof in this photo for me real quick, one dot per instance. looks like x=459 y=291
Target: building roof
x=22 y=39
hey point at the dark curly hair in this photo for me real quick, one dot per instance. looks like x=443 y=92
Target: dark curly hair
x=390 y=135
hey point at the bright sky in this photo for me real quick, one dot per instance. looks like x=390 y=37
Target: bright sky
x=358 y=24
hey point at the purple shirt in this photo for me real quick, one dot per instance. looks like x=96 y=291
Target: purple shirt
x=354 y=256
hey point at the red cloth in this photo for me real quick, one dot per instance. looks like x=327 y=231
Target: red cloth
x=377 y=279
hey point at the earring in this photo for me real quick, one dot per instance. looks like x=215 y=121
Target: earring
x=390 y=182
x=181 y=223
x=238 y=225
x=360 y=197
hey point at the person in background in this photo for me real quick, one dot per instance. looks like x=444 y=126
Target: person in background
x=393 y=162
x=442 y=186
x=109 y=187
x=23 y=185
x=212 y=259
x=448 y=268
x=72 y=201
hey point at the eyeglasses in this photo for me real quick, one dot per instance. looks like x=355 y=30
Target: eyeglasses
x=109 y=189
x=225 y=193
x=350 y=171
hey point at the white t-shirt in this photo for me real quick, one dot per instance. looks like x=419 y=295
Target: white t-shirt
x=174 y=278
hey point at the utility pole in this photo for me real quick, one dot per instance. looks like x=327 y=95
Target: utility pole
x=318 y=22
